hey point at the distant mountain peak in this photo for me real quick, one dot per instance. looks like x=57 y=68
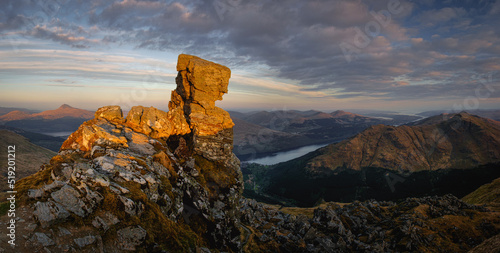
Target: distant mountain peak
x=65 y=106
x=15 y=115
x=444 y=117
x=463 y=114
x=341 y=113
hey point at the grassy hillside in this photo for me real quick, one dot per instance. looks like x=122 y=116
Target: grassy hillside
x=42 y=140
x=288 y=184
x=29 y=157
x=486 y=194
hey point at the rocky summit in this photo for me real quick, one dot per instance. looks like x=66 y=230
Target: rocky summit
x=152 y=181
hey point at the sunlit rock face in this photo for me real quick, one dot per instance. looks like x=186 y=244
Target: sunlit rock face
x=150 y=181
x=199 y=84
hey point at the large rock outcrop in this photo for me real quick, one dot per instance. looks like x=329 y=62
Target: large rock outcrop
x=153 y=181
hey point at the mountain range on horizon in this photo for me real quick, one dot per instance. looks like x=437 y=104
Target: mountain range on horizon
x=449 y=153
x=262 y=133
x=63 y=120
x=61 y=112
x=256 y=133
x=453 y=140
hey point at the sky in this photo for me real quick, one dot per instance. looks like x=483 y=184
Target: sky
x=397 y=55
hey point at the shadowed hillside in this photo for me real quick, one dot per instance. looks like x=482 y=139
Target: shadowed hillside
x=29 y=157
x=456 y=155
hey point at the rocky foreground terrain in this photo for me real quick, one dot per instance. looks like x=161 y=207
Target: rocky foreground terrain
x=157 y=181
x=430 y=224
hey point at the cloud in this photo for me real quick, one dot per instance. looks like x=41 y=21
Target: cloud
x=428 y=49
x=437 y=17
x=126 y=15
x=13 y=22
x=61 y=81
x=94 y=65
x=58 y=35
x=495 y=9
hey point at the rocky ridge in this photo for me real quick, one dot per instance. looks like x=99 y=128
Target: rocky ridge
x=430 y=224
x=154 y=181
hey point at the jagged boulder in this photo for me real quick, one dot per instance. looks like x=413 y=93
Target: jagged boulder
x=157 y=123
x=111 y=113
x=199 y=84
x=150 y=181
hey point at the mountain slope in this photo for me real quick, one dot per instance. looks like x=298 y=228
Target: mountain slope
x=29 y=157
x=493 y=114
x=61 y=112
x=15 y=115
x=63 y=119
x=64 y=111
x=454 y=156
x=461 y=141
x=42 y=140
x=250 y=140
x=349 y=116
x=486 y=194
x=263 y=133
x=5 y=110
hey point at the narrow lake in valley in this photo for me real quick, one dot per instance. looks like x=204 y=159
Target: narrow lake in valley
x=59 y=134
x=285 y=155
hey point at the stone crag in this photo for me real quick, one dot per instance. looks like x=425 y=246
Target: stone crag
x=150 y=182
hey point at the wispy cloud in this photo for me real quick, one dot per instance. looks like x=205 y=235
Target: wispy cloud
x=426 y=49
x=96 y=65
x=62 y=81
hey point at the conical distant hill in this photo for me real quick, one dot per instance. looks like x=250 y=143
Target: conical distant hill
x=61 y=112
x=65 y=111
